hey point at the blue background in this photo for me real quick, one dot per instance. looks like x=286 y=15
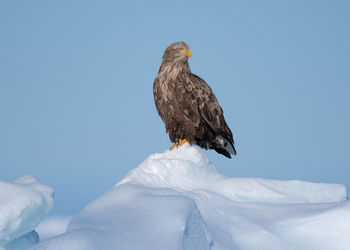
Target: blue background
x=76 y=77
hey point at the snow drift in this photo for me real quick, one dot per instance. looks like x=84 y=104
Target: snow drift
x=23 y=204
x=178 y=200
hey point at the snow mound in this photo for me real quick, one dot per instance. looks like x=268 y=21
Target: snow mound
x=23 y=204
x=188 y=169
x=178 y=200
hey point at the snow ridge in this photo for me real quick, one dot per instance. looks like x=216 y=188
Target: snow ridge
x=178 y=200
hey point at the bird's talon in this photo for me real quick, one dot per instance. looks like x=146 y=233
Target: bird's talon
x=176 y=144
x=182 y=142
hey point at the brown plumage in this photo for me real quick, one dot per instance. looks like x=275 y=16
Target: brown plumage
x=188 y=106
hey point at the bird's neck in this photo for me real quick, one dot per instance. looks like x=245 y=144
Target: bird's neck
x=172 y=69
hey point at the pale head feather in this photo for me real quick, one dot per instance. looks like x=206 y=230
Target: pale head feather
x=175 y=52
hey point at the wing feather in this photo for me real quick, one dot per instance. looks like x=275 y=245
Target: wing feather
x=209 y=108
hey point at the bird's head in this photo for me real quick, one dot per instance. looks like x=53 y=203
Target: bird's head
x=178 y=51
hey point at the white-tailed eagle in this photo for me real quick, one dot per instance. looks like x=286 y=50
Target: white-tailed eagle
x=188 y=106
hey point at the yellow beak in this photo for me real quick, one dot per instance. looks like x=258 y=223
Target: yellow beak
x=187 y=52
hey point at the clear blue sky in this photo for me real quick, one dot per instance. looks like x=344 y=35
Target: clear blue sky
x=76 y=101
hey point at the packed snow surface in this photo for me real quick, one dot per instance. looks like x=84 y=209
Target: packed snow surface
x=23 y=204
x=178 y=200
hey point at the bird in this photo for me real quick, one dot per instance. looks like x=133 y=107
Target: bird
x=188 y=106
